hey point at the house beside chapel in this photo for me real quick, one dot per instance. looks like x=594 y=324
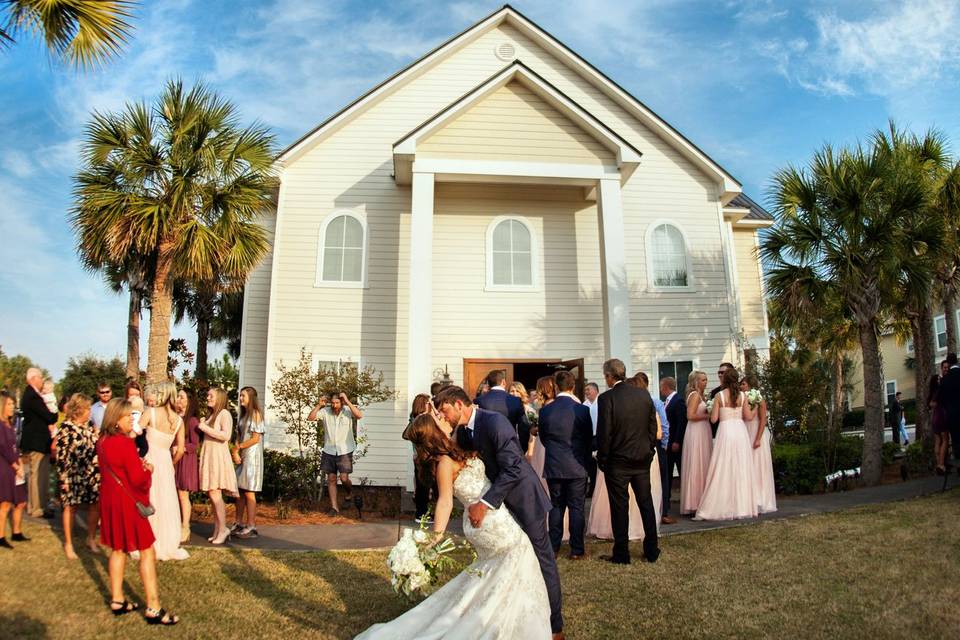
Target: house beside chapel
x=500 y=204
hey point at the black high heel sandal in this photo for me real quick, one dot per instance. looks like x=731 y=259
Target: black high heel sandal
x=125 y=607
x=160 y=617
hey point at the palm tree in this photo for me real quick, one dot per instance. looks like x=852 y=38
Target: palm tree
x=927 y=159
x=84 y=33
x=843 y=225
x=202 y=302
x=947 y=206
x=180 y=181
x=133 y=273
x=228 y=322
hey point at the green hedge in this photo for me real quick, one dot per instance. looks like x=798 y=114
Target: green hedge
x=800 y=468
x=853 y=420
x=290 y=478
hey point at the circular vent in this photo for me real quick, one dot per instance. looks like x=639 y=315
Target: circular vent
x=505 y=51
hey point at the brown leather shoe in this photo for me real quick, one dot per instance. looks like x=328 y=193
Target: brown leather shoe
x=559 y=636
x=667 y=520
x=579 y=556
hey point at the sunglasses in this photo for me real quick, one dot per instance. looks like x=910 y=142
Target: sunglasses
x=104 y=393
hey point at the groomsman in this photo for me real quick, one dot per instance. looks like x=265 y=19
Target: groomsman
x=722 y=370
x=948 y=397
x=626 y=444
x=510 y=407
x=566 y=431
x=590 y=393
x=676 y=409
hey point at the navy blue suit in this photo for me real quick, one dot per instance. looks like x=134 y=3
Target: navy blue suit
x=677 y=417
x=566 y=431
x=511 y=408
x=515 y=484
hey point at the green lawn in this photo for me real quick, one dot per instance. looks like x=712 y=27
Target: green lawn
x=888 y=571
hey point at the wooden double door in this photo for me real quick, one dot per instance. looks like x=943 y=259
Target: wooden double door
x=475 y=370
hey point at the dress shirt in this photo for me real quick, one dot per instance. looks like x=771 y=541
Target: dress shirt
x=96 y=413
x=594 y=412
x=569 y=395
x=338 y=431
x=664 y=423
x=470 y=424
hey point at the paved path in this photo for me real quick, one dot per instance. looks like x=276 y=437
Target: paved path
x=375 y=535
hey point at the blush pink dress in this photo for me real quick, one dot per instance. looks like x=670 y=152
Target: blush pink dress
x=598 y=520
x=216 y=465
x=695 y=458
x=729 y=492
x=762 y=468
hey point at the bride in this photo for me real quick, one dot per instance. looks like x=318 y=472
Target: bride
x=503 y=594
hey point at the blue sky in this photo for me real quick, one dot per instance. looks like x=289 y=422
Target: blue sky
x=757 y=84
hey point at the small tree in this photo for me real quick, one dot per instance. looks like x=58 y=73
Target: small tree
x=13 y=372
x=86 y=371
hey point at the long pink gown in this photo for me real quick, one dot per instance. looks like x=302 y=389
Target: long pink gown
x=695 y=459
x=729 y=492
x=598 y=521
x=762 y=468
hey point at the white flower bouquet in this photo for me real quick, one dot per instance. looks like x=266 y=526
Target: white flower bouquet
x=709 y=406
x=754 y=397
x=416 y=562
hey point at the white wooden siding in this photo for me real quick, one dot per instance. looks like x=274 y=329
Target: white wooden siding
x=748 y=278
x=256 y=308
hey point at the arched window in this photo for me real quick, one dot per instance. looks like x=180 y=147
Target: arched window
x=511 y=252
x=667 y=260
x=341 y=260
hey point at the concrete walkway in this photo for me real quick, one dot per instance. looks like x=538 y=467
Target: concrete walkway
x=378 y=535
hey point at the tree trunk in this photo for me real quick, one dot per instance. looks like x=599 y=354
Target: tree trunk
x=871 y=467
x=160 y=307
x=133 y=337
x=923 y=366
x=950 y=311
x=836 y=417
x=203 y=337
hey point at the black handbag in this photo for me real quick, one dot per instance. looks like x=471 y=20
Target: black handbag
x=146 y=510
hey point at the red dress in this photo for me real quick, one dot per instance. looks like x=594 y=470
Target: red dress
x=121 y=526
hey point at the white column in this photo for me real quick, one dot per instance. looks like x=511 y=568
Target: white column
x=617 y=291
x=419 y=295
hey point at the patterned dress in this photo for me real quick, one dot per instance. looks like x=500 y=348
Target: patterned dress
x=77 y=467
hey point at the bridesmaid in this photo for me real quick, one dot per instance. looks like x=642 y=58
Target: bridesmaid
x=216 y=465
x=126 y=481
x=187 y=474
x=78 y=472
x=697 y=444
x=536 y=454
x=762 y=458
x=250 y=471
x=164 y=430
x=729 y=492
x=13 y=489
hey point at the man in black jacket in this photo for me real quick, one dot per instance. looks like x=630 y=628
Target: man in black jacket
x=626 y=444
x=510 y=407
x=722 y=370
x=948 y=397
x=35 y=441
x=676 y=408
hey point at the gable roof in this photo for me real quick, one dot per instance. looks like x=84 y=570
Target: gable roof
x=404 y=150
x=730 y=186
x=756 y=212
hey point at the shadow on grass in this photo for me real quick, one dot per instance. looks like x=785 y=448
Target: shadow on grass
x=21 y=626
x=352 y=605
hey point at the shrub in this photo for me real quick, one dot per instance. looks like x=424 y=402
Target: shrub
x=801 y=467
x=888 y=453
x=917 y=459
x=853 y=420
x=290 y=478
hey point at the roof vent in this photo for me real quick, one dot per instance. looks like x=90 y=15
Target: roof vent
x=505 y=51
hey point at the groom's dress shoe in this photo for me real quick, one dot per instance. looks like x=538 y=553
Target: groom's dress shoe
x=576 y=556
x=652 y=557
x=559 y=636
x=613 y=560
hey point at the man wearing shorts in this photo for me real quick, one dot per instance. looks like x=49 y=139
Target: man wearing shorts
x=339 y=442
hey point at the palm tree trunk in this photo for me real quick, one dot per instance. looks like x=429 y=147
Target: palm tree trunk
x=203 y=337
x=923 y=367
x=871 y=466
x=950 y=311
x=836 y=417
x=160 y=308
x=133 y=336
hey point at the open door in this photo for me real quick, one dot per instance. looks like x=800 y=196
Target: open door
x=474 y=371
x=576 y=368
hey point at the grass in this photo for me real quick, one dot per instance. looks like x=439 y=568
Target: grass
x=885 y=571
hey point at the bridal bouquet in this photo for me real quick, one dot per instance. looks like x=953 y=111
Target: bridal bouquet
x=754 y=397
x=709 y=406
x=416 y=563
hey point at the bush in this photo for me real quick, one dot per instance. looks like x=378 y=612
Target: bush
x=801 y=467
x=85 y=372
x=918 y=460
x=853 y=420
x=888 y=453
x=290 y=478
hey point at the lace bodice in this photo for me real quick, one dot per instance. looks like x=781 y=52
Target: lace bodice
x=499 y=532
x=471 y=482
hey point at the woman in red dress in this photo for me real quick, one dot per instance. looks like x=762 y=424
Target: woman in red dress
x=125 y=480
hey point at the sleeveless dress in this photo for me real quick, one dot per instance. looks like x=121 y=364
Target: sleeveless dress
x=762 y=468
x=121 y=526
x=503 y=596
x=694 y=461
x=216 y=465
x=250 y=471
x=165 y=520
x=729 y=491
x=598 y=521
x=188 y=468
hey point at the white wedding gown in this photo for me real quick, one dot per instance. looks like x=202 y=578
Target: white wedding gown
x=502 y=595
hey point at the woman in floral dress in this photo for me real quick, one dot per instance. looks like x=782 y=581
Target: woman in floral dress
x=78 y=471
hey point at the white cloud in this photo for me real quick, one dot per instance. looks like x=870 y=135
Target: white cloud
x=17 y=163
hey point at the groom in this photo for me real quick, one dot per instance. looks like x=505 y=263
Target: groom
x=514 y=483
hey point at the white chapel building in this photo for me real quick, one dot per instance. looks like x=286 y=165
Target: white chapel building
x=500 y=204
